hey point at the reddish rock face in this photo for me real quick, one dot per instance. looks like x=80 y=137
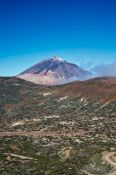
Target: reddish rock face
x=54 y=71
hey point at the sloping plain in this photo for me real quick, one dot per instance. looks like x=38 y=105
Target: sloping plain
x=57 y=130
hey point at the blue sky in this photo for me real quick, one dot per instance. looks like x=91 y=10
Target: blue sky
x=80 y=31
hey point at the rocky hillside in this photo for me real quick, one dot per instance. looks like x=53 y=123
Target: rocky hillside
x=68 y=129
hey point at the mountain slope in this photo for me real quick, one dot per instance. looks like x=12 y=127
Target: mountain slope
x=102 y=89
x=54 y=71
x=22 y=100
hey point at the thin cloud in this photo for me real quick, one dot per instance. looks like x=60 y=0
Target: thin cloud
x=105 y=69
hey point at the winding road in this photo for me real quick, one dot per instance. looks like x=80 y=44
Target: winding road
x=107 y=157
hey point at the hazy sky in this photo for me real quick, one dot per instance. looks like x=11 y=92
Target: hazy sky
x=80 y=31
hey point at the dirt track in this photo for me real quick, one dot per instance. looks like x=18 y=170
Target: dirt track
x=41 y=133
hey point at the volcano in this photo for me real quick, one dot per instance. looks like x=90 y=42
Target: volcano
x=54 y=71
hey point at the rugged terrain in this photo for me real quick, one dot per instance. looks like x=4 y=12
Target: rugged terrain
x=58 y=130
